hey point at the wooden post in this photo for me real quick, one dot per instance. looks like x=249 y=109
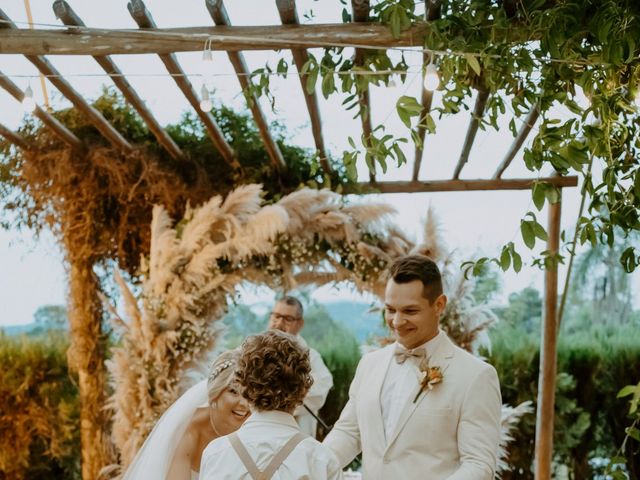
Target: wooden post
x=86 y=357
x=548 y=354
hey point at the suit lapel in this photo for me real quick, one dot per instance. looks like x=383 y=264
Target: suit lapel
x=441 y=357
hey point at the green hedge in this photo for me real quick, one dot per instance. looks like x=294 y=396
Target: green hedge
x=39 y=409
x=590 y=420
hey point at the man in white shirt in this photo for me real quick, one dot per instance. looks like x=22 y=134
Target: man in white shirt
x=287 y=316
x=420 y=407
x=274 y=374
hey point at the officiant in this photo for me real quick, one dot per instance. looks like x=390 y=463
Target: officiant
x=287 y=316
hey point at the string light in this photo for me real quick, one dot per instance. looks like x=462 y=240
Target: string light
x=207 y=55
x=431 y=77
x=205 y=103
x=28 y=103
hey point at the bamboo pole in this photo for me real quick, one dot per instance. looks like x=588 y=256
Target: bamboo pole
x=49 y=120
x=548 y=354
x=478 y=112
x=523 y=133
x=105 y=41
x=14 y=137
x=289 y=16
x=432 y=13
x=65 y=13
x=360 y=15
x=145 y=21
x=457 y=185
x=219 y=15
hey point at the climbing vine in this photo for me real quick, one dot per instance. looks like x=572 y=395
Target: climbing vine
x=582 y=55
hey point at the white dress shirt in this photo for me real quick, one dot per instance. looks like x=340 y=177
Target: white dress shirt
x=317 y=394
x=263 y=435
x=402 y=381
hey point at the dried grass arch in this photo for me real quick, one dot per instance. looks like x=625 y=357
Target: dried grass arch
x=195 y=264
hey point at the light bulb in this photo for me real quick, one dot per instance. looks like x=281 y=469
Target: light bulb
x=206 y=105
x=205 y=102
x=28 y=103
x=431 y=77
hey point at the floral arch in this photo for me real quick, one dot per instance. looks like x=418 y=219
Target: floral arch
x=195 y=264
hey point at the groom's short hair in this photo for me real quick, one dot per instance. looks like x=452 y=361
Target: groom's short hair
x=418 y=267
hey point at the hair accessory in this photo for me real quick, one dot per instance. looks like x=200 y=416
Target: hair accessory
x=223 y=366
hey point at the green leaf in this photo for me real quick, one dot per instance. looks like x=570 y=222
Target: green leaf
x=517 y=261
x=472 y=60
x=505 y=259
x=538 y=194
x=402 y=159
x=312 y=78
x=539 y=231
x=629 y=390
x=529 y=237
x=328 y=84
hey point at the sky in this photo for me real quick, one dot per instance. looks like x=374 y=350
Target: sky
x=473 y=223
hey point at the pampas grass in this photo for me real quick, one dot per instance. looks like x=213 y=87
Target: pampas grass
x=197 y=262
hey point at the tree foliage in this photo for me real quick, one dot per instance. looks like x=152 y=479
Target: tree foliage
x=524 y=55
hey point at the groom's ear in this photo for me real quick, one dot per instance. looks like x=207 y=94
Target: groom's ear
x=440 y=303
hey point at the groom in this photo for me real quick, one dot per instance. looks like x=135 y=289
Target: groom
x=420 y=408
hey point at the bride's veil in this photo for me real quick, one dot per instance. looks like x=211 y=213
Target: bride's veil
x=154 y=458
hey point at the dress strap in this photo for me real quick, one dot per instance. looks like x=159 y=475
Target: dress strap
x=275 y=463
x=246 y=459
x=282 y=455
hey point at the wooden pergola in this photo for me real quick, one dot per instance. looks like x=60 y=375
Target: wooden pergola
x=77 y=39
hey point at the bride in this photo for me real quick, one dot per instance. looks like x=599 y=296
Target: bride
x=208 y=410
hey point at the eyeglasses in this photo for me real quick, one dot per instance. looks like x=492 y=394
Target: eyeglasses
x=285 y=318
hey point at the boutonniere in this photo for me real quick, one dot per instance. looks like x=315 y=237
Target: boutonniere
x=429 y=377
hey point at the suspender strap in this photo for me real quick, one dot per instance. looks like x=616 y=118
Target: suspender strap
x=275 y=463
x=246 y=459
x=282 y=455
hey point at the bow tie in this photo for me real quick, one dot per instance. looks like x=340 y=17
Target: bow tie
x=401 y=354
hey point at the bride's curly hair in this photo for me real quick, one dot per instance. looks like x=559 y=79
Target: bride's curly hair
x=274 y=371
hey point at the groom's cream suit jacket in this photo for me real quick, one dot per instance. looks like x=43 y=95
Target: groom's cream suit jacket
x=450 y=433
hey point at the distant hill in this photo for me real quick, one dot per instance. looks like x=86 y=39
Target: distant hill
x=356 y=317
x=13 y=330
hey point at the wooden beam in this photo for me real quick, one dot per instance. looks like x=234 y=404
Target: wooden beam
x=523 y=133
x=65 y=13
x=101 y=41
x=478 y=112
x=143 y=18
x=548 y=355
x=14 y=138
x=458 y=185
x=220 y=17
x=360 y=15
x=49 y=120
x=431 y=13
x=78 y=101
x=289 y=16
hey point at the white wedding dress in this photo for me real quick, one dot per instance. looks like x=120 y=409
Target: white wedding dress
x=154 y=457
